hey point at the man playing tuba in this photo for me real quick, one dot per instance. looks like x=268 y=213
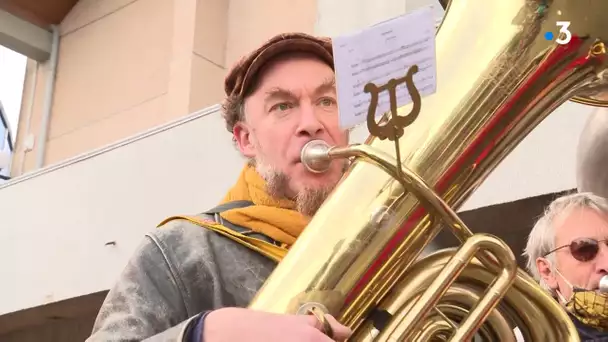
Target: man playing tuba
x=189 y=277
x=567 y=253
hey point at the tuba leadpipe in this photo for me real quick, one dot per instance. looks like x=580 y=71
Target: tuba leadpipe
x=358 y=259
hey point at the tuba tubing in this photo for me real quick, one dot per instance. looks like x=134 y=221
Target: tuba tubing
x=497 y=79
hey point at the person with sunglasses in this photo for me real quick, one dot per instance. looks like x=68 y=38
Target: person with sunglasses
x=567 y=253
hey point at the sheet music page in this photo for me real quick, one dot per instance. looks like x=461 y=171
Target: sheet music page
x=379 y=53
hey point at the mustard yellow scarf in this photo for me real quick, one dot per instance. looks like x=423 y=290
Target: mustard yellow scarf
x=275 y=218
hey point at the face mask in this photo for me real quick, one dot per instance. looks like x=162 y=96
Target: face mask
x=589 y=307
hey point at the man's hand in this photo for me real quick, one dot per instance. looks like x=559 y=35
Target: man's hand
x=236 y=324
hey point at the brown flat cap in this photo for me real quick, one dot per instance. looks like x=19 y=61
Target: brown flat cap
x=240 y=77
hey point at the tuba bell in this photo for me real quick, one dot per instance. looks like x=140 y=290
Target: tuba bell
x=359 y=257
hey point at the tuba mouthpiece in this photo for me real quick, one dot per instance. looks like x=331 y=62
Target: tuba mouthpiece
x=315 y=156
x=604 y=284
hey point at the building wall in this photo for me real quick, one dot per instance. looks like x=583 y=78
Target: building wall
x=128 y=65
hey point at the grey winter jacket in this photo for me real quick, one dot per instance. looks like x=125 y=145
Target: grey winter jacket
x=179 y=271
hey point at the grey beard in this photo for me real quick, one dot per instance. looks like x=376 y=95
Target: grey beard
x=308 y=200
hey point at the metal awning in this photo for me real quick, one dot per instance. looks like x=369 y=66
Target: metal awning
x=25 y=25
x=40 y=13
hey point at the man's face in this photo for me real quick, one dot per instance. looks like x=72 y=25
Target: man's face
x=294 y=103
x=576 y=224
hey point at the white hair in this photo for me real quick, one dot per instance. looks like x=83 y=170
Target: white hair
x=542 y=236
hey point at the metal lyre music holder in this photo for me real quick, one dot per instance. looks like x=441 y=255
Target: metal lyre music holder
x=392 y=127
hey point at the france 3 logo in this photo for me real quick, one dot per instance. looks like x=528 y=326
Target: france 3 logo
x=563 y=36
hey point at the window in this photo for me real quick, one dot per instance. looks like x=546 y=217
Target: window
x=6 y=142
x=3 y=136
x=6 y=146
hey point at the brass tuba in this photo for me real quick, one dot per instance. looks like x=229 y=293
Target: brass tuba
x=358 y=259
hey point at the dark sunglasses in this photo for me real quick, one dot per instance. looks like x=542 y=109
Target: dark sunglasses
x=584 y=249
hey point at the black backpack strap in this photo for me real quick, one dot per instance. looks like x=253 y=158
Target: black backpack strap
x=215 y=214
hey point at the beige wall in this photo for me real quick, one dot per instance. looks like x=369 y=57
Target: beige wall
x=125 y=66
